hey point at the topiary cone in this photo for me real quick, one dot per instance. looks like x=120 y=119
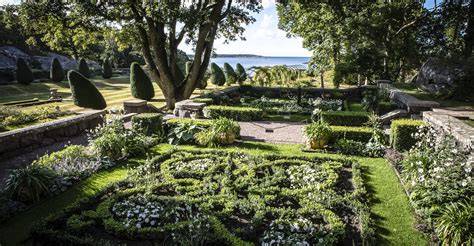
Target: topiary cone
x=56 y=72
x=107 y=69
x=24 y=75
x=140 y=83
x=84 y=93
x=217 y=75
x=230 y=75
x=84 y=68
x=241 y=74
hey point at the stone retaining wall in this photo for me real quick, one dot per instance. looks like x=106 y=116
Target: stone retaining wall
x=410 y=103
x=16 y=142
x=460 y=130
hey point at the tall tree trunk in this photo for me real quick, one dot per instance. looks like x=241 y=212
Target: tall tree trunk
x=322 y=79
x=469 y=37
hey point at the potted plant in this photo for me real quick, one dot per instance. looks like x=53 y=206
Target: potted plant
x=317 y=134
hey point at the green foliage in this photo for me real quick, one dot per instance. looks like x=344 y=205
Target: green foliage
x=28 y=184
x=360 y=134
x=345 y=118
x=438 y=173
x=12 y=117
x=350 y=147
x=275 y=76
x=140 y=83
x=205 y=100
x=220 y=132
x=241 y=73
x=112 y=140
x=230 y=75
x=402 y=131
x=217 y=75
x=84 y=93
x=235 y=113
x=317 y=130
x=195 y=197
x=184 y=132
x=107 y=72
x=149 y=123
x=171 y=123
x=455 y=226
x=56 y=72
x=385 y=107
x=370 y=100
x=84 y=68
x=23 y=72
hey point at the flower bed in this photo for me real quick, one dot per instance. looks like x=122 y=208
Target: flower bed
x=222 y=198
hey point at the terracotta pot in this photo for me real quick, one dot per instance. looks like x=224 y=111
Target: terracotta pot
x=318 y=143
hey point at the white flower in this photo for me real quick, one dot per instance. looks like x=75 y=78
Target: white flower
x=138 y=225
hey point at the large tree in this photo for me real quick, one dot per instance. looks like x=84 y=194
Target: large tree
x=158 y=28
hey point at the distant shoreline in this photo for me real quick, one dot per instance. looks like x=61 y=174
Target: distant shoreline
x=249 y=56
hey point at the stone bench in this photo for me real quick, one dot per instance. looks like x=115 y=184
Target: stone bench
x=406 y=101
x=135 y=106
x=187 y=107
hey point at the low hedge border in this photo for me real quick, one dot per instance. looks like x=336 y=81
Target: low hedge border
x=402 y=130
x=235 y=113
x=345 y=118
x=360 y=134
x=385 y=107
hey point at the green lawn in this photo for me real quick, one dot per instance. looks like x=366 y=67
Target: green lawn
x=115 y=90
x=414 y=91
x=469 y=122
x=390 y=207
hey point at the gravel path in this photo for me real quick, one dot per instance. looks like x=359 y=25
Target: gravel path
x=283 y=132
x=25 y=159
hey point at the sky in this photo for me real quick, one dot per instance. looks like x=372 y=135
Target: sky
x=262 y=37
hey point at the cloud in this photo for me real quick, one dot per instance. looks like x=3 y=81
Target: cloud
x=268 y=3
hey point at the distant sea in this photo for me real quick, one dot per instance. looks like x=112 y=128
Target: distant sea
x=250 y=61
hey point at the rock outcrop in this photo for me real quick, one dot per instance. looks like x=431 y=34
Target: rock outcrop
x=440 y=76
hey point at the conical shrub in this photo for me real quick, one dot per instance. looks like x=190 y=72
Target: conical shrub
x=106 y=69
x=84 y=93
x=56 y=72
x=241 y=74
x=84 y=68
x=230 y=75
x=24 y=75
x=217 y=75
x=140 y=83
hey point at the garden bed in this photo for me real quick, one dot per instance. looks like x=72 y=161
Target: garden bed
x=222 y=198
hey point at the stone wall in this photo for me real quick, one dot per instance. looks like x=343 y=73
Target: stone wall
x=412 y=104
x=446 y=122
x=16 y=142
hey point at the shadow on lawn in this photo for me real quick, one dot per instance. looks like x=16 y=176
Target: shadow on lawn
x=377 y=220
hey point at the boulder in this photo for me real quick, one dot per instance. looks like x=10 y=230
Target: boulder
x=66 y=62
x=440 y=76
x=9 y=55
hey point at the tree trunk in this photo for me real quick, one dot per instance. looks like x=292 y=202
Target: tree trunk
x=322 y=79
x=469 y=37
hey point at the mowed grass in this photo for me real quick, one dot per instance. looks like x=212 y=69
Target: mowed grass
x=115 y=90
x=393 y=216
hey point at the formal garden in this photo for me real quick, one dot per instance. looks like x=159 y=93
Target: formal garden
x=112 y=135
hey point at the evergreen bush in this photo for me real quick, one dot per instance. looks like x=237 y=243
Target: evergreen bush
x=84 y=68
x=84 y=93
x=107 y=69
x=230 y=75
x=217 y=75
x=402 y=131
x=241 y=74
x=140 y=83
x=56 y=72
x=149 y=123
x=24 y=75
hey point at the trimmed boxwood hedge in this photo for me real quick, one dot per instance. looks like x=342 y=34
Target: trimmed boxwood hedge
x=217 y=75
x=360 y=134
x=84 y=93
x=150 y=123
x=235 y=113
x=171 y=123
x=345 y=118
x=385 y=107
x=140 y=83
x=402 y=130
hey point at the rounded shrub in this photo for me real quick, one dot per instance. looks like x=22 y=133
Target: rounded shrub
x=84 y=68
x=56 y=72
x=149 y=123
x=106 y=69
x=24 y=75
x=84 y=93
x=241 y=74
x=140 y=83
x=217 y=75
x=230 y=75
